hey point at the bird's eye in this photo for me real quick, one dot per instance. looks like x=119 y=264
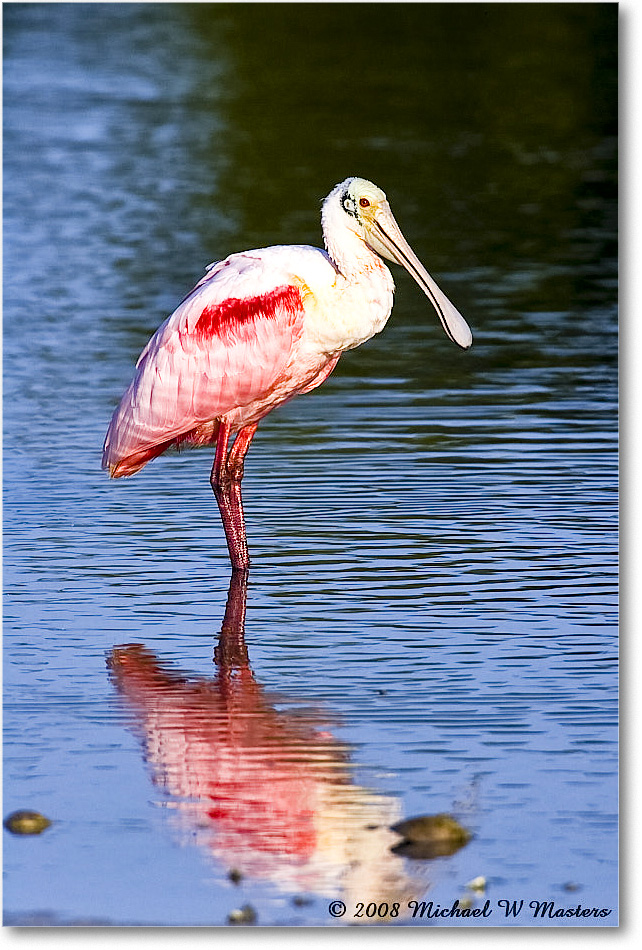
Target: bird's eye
x=364 y=202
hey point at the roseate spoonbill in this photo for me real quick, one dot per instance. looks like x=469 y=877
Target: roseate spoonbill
x=258 y=328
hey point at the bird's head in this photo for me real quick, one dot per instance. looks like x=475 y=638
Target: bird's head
x=361 y=200
x=368 y=215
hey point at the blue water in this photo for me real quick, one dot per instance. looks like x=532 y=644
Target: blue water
x=431 y=613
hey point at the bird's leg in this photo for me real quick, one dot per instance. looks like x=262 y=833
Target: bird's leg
x=235 y=463
x=227 y=472
x=221 y=486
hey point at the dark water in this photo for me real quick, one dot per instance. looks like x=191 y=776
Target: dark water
x=431 y=615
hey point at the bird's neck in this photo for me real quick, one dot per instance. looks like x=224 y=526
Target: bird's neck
x=348 y=252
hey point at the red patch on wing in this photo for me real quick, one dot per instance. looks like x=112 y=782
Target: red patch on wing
x=237 y=312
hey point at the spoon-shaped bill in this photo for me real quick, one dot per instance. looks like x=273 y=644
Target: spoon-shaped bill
x=385 y=238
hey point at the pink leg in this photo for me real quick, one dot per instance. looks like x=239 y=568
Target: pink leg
x=227 y=473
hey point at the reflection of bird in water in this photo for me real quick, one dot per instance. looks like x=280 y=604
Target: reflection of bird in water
x=265 y=788
x=259 y=328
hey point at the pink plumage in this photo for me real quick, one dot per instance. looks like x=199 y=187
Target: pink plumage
x=260 y=327
x=215 y=354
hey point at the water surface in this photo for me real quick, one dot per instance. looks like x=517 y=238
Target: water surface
x=431 y=613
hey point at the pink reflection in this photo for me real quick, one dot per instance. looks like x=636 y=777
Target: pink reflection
x=267 y=791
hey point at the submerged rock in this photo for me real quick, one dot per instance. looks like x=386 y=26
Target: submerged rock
x=244 y=915
x=477 y=884
x=430 y=836
x=26 y=822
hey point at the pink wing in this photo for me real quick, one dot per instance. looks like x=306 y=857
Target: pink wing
x=224 y=347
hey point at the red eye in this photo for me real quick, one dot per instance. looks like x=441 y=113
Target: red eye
x=364 y=202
